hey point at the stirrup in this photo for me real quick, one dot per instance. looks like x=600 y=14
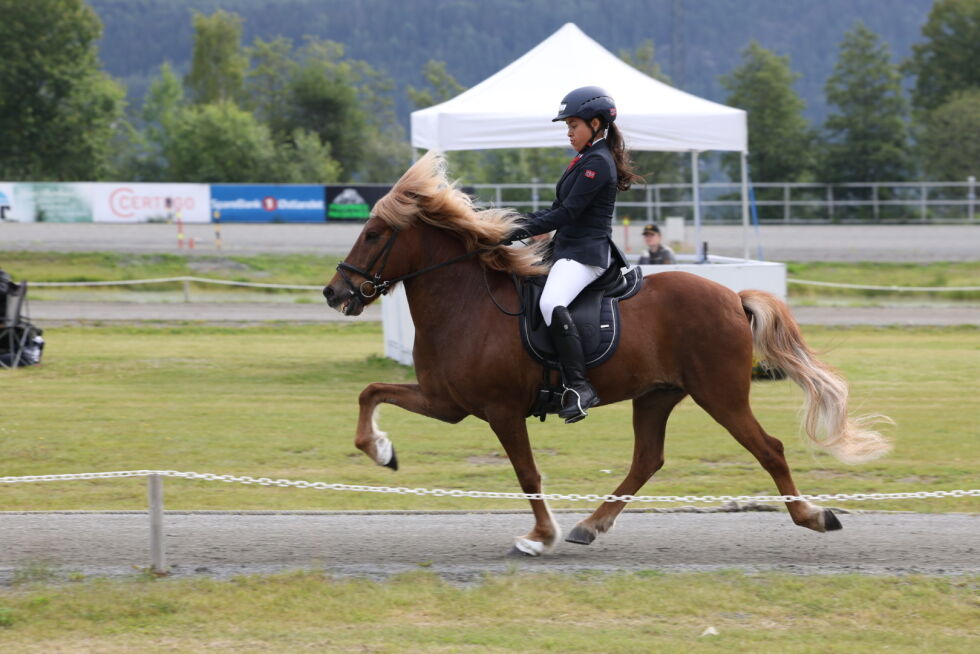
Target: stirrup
x=575 y=412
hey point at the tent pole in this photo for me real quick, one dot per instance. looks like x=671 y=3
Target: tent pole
x=745 y=205
x=696 y=202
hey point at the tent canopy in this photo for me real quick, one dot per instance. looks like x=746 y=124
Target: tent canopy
x=514 y=107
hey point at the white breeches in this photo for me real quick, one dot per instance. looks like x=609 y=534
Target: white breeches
x=565 y=281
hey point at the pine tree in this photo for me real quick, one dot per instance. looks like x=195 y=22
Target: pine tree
x=949 y=61
x=780 y=140
x=867 y=135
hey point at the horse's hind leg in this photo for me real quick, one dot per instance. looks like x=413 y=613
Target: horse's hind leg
x=374 y=442
x=650 y=413
x=736 y=416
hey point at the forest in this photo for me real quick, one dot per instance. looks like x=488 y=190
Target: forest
x=320 y=90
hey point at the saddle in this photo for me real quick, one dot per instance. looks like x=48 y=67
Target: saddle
x=595 y=312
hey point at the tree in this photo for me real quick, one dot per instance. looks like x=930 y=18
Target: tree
x=948 y=61
x=655 y=167
x=780 y=141
x=218 y=62
x=867 y=134
x=950 y=140
x=57 y=108
x=442 y=86
x=220 y=142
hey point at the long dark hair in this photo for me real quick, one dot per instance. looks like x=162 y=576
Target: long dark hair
x=625 y=175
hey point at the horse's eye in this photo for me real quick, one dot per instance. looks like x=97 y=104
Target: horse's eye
x=371 y=237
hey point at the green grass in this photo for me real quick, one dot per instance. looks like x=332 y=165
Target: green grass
x=622 y=613
x=281 y=401
x=313 y=270
x=960 y=273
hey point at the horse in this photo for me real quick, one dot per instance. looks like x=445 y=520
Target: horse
x=459 y=278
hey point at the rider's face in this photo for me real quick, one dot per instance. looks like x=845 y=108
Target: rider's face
x=579 y=132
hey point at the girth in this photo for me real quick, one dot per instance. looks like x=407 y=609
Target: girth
x=595 y=312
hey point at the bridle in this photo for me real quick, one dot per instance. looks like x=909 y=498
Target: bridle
x=373 y=284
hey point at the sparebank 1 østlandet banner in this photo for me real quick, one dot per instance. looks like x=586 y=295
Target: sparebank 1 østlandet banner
x=268 y=203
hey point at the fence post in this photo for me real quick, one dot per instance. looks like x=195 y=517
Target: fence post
x=924 y=197
x=830 y=202
x=874 y=201
x=786 y=203
x=656 y=197
x=187 y=291
x=158 y=557
x=971 y=196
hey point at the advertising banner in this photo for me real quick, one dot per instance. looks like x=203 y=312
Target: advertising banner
x=85 y=202
x=149 y=203
x=268 y=203
x=51 y=202
x=353 y=202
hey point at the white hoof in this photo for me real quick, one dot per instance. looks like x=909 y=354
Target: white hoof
x=529 y=547
x=383 y=451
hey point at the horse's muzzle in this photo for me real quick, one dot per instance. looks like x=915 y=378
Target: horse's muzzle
x=343 y=301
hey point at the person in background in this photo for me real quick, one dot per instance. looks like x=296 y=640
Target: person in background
x=656 y=253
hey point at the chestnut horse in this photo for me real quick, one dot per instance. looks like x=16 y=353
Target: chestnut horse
x=469 y=359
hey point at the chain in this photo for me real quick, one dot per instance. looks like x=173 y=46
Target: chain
x=898 y=289
x=168 y=280
x=439 y=492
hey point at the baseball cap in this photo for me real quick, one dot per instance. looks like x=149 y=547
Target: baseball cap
x=651 y=229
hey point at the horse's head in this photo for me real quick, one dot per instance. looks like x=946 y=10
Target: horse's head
x=422 y=195
x=359 y=280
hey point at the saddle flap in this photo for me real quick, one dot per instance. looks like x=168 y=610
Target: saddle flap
x=595 y=312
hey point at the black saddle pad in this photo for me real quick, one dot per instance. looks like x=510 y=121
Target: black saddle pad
x=595 y=312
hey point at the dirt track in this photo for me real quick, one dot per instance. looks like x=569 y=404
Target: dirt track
x=462 y=547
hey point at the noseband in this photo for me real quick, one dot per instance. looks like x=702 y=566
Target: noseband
x=373 y=282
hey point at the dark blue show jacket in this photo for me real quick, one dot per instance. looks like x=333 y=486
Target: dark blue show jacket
x=582 y=212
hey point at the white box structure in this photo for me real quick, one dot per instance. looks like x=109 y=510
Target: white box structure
x=736 y=274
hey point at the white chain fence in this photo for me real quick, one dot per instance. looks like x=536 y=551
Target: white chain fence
x=304 y=287
x=440 y=492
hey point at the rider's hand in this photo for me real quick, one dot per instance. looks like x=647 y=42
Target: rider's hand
x=518 y=234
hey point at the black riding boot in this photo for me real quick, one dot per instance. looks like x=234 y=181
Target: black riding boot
x=579 y=395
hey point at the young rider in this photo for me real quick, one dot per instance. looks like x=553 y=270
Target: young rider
x=581 y=216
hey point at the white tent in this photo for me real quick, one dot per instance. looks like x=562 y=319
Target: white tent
x=513 y=108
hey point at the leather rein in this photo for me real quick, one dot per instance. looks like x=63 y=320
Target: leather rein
x=373 y=284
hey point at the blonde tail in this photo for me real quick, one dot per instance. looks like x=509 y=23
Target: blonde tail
x=779 y=344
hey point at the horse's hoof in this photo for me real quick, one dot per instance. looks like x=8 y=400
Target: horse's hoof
x=580 y=535
x=393 y=461
x=524 y=547
x=830 y=521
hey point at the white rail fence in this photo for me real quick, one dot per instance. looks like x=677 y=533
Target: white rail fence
x=156 y=514
x=776 y=202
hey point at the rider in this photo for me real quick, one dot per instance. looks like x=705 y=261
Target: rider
x=582 y=216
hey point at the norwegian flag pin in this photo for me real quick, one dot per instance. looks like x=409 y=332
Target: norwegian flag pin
x=590 y=174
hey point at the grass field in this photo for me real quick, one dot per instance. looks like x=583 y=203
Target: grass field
x=418 y=613
x=281 y=401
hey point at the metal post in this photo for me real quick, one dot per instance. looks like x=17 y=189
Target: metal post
x=187 y=291
x=534 y=194
x=647 y=190
x=696 y=202
x=830 y=202
x=874 y=201
x=745 y=205
x=786 y=203
x=656 y=199
x=158 y=558
x=971 y=196
x=924 y=199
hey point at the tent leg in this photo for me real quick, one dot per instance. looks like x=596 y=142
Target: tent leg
x=745 y=205
x=696 y=206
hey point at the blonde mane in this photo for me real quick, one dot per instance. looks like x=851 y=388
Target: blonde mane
x=425 y=193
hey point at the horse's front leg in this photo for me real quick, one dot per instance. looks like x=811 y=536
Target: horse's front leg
x=512 y=432
x=374 y=442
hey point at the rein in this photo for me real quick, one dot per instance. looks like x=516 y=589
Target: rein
x=378 y=285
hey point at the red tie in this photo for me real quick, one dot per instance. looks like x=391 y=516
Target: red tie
x=574 y=161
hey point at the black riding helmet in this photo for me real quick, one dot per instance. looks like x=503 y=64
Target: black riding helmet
x=587 y=103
